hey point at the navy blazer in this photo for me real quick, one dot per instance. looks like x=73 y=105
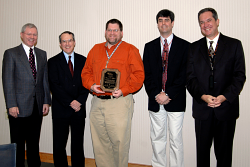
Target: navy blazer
x=65 y=88
x=176 y=77
x=229 y=77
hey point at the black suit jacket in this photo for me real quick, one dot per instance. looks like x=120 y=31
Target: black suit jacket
x=229 y=77
x=176 y=78
x=64 y=87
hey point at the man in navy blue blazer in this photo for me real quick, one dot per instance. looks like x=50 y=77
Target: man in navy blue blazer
x=164 y=61
x=68 y=102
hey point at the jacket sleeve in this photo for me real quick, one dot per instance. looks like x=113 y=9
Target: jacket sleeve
x=149 y=82
x=47 y=97
x=8 y=79
x=239 y=77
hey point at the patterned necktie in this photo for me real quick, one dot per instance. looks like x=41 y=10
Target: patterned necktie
x=164 y=63
x=70 y=66
x=32 y=63
x=211 y=50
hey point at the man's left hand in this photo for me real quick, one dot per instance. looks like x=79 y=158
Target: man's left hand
x=117 y=93
x=45 y=109
x=75 y=105
x=219 y=99
x=162 y=98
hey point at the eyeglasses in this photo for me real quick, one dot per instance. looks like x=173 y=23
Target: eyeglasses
x=28 y=34
x=67 y=41
x=114 y=31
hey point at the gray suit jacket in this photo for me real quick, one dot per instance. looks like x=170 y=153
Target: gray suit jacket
x=19 y=86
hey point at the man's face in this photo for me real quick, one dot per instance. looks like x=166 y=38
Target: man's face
x=113 y=34
x=29 y=36
x=67 y=43
x=208 y=25
x=165 y=25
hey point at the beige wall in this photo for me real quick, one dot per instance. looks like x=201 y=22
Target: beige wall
x=87 y=20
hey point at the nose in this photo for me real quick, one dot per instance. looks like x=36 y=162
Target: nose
x=205 y=24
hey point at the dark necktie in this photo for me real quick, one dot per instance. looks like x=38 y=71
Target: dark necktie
x=32 y=63
x=211 y=50
x=70 y=66
x=164 y=63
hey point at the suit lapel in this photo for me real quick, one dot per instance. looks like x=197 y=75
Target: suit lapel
x=24 y=59
x=64 y=65
x=221 y=49
x=204 y=50
x=157 y=53
x=77 y=67
x=38 y=63
x=173 y=50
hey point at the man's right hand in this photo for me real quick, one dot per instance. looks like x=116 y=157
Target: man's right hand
x=14 y=111
x=210 y=100
x=95 y=89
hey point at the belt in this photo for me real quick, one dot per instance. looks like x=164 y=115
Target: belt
x=105 y=97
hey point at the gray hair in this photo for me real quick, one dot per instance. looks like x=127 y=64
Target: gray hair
x=30 y=25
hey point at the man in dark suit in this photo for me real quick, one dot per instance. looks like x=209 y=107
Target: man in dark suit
x=27 y=96
x=164 y=61
x=68 y=102
x=215 y=78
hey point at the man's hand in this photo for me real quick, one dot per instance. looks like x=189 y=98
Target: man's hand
x=213 y=101
x=208 y=99
x=75 y=105
x=219 y=99
x=14 y=111
x=95 y=89
x=162 y=98
x=45 y=109
x=117 y=93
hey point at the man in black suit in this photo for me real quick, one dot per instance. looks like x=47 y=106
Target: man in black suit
x=68 y=102
x=215 y=78
x=164 y=61
x=26 y=92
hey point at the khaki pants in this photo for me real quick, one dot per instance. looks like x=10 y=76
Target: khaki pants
x=110 y=123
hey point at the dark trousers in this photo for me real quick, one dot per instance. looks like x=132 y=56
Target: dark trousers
x=219 y=132
x=26 y=129
x=60 y=137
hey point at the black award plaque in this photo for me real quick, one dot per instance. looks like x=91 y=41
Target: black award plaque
x=110 y=80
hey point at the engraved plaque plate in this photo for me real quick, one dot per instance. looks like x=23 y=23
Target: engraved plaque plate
x=110 y=79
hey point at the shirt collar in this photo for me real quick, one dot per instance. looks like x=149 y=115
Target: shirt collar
x=106 y=44
x=67 y=56
x=27 y=49
x=215 y=41
x=169 y=39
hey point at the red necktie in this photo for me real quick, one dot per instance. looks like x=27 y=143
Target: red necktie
x=32 y=63
x=164 y=63
x=70 y=66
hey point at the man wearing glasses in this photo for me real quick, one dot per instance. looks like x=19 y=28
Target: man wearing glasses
x=27 y=95
x=111 y=111
x=68 y=102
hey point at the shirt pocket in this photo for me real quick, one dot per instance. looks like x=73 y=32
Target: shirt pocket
x=116 y=64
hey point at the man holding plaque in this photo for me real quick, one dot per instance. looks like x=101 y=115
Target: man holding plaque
x=113 y=71
x=215 y=78
x=164 y=61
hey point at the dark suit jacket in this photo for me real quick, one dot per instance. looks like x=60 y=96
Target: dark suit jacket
x=19 y=85
x=176 y=79
x=229 y=77
x=66 y=88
